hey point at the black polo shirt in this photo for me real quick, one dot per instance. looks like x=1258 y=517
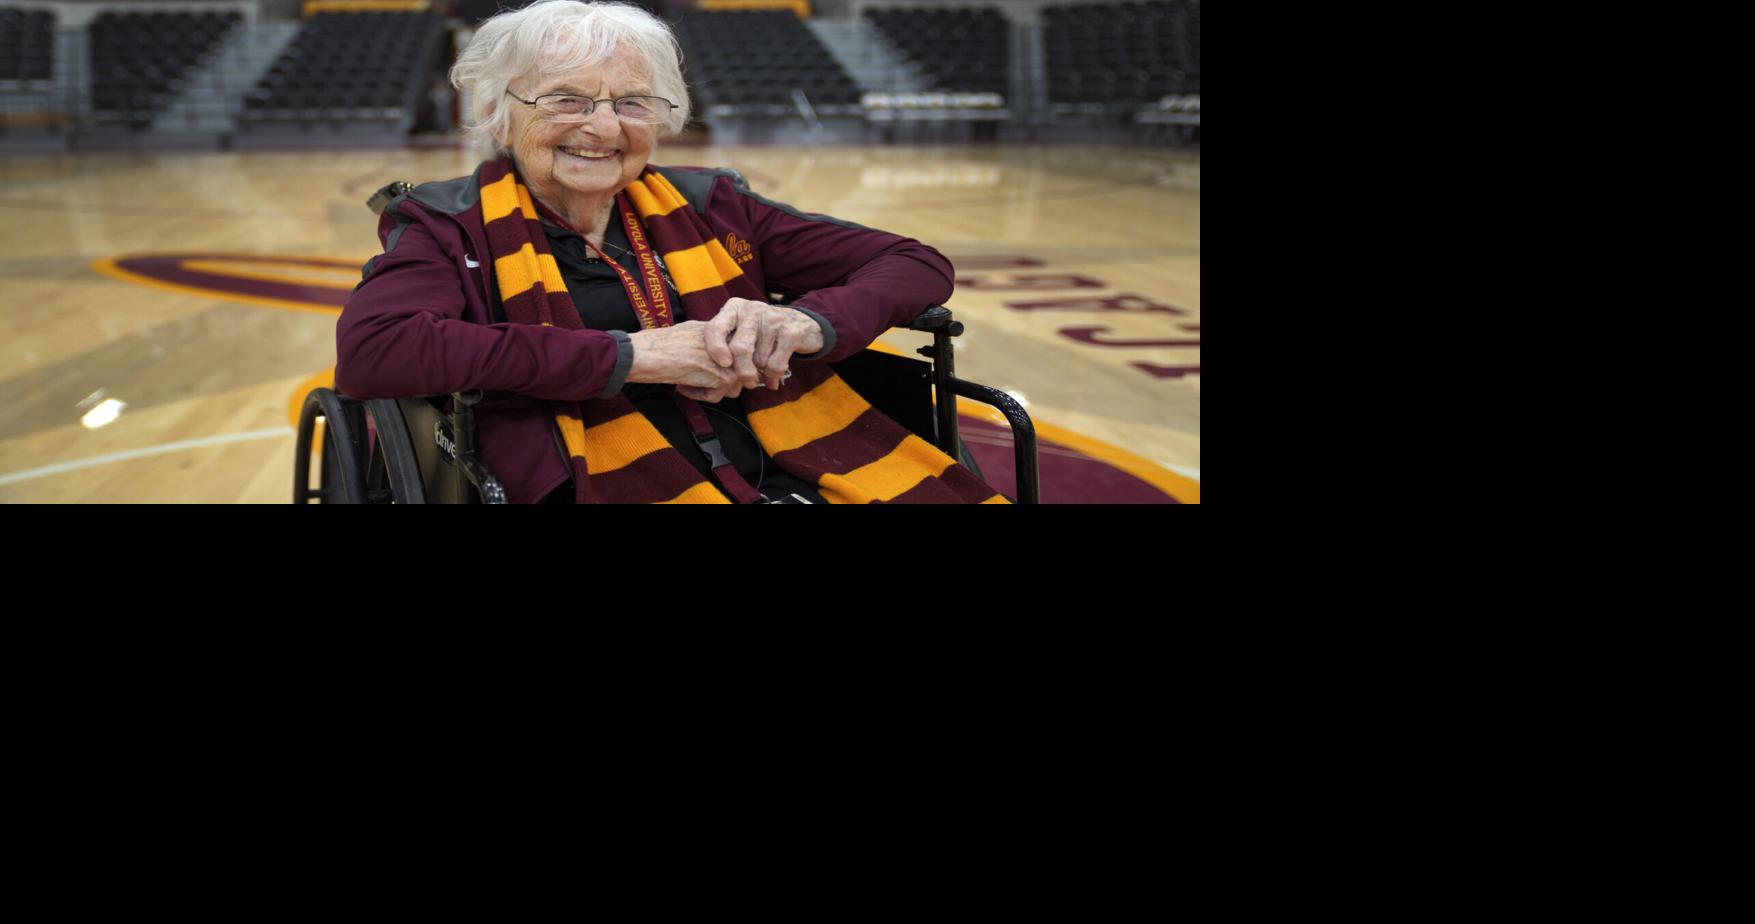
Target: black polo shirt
x=603 y=304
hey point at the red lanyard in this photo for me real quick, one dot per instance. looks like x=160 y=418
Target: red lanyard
x=651 y=306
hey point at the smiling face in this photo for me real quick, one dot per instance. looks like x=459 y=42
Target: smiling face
x=573 y=165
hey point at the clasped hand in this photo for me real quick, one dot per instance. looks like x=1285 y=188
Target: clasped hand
x=748 y=344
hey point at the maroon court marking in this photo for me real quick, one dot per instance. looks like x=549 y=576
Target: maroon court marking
x=166 y=268
x=1090 y=335
x=1067 y=475
x=1030 y=282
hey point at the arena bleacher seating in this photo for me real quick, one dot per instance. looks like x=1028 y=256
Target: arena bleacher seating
x=475 y=12
x=751 y=61
x=757 y=69
x=26 y=46
x=1123 y=54
x=961 y=50
x=349 y=66
x=138 y=60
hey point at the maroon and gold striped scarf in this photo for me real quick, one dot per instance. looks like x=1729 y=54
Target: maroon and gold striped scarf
x=814 y=426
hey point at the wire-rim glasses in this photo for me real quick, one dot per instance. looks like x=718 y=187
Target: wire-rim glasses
x=568 y=107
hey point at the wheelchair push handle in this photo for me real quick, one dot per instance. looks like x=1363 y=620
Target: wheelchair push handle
x=381 y=199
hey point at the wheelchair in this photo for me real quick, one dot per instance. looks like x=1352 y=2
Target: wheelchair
x=414 y=451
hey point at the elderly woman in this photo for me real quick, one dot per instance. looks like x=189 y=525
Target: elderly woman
x=614 y=312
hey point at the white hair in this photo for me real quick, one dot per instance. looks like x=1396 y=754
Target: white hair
x=561 y=35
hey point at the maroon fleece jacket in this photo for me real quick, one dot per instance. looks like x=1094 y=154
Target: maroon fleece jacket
x=421 y=320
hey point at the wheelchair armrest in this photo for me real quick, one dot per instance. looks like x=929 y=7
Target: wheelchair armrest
x=937 y=317
x=937 y=320
x=1024 y=458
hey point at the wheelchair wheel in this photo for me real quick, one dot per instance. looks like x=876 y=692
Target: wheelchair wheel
x=339 y=467
x=393 y=470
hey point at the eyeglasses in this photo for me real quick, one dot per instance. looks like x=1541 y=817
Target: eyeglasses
x=565 y=107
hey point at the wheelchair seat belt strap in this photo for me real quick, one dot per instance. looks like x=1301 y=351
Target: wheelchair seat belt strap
x=729 y=477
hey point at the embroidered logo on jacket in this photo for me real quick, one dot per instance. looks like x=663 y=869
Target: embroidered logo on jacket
x=739 y=250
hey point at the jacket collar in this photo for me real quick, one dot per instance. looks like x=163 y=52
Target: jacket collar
x=453 y=197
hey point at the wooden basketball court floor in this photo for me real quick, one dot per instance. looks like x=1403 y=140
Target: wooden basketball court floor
x=163 y=314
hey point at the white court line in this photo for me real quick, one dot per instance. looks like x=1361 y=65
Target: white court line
x=159 y=450
x=1186 y=472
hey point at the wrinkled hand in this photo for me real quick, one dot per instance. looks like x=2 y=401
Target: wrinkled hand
x=678 y=354
x=756 y=340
